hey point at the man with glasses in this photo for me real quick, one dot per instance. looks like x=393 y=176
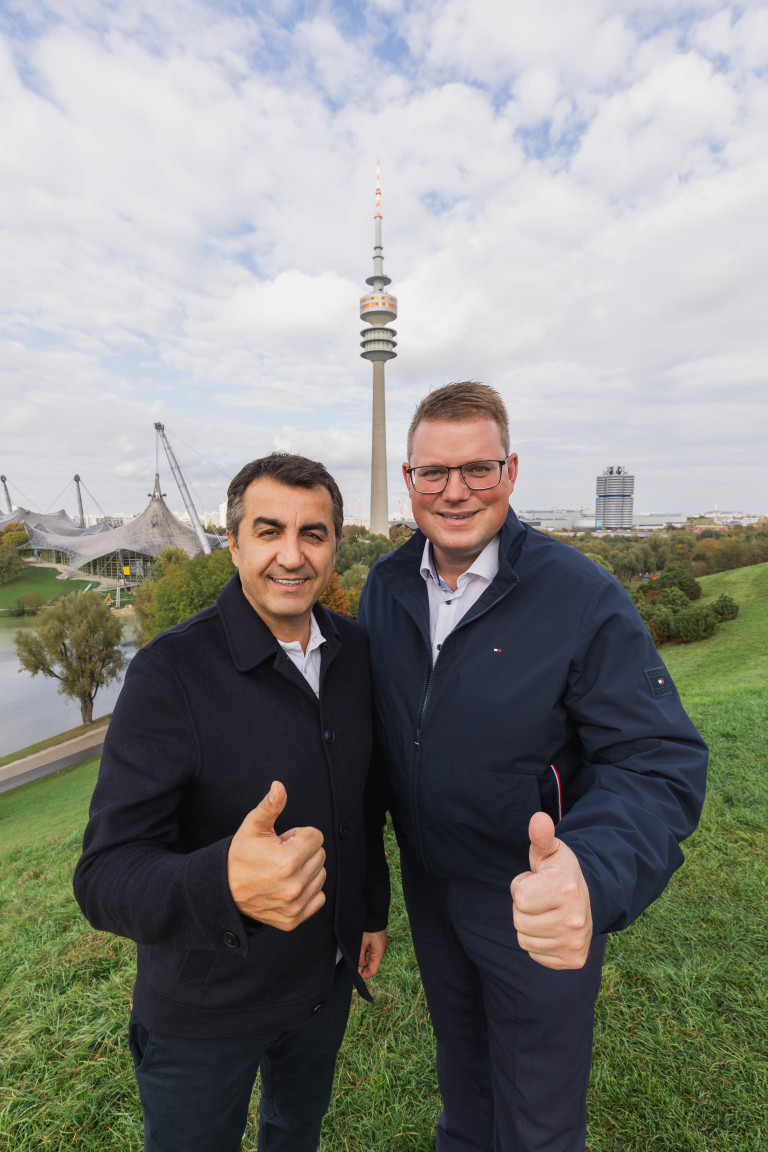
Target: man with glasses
x=517 y=695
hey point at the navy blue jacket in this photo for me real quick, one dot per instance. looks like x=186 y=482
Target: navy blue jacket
x=548 y=695
x=210 y=714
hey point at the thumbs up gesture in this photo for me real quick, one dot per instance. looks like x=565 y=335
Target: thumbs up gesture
x=276 y=879
x=552 y=912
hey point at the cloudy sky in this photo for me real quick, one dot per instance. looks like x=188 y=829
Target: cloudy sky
x=574 y=200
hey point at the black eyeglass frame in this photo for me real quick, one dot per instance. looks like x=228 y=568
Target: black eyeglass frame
x=460 y=469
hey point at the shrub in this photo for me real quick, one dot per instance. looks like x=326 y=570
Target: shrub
x=725 y=607
x=679 y=578
x=694 y=624
x=659 y=622
x=674 y=599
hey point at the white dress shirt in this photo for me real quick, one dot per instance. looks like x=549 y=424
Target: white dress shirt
x=308 y=663
x=446 y=607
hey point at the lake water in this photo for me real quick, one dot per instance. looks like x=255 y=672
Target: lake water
x=31 y=708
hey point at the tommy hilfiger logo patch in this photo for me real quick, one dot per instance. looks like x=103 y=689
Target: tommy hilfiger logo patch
x=660 y=681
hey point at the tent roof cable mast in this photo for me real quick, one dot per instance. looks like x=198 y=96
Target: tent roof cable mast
x=191 y=512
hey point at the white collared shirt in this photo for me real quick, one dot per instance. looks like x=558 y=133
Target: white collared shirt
x=447 y=607
x=308 y=663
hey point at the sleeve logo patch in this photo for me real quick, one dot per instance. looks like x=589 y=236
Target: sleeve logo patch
x=659 y=681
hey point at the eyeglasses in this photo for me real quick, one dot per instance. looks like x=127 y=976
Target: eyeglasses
x=479 y=474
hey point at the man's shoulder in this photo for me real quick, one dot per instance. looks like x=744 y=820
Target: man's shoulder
x=197 y=631
x=555 y=557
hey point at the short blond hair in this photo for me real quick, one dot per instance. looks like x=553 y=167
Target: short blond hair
x=465 y=400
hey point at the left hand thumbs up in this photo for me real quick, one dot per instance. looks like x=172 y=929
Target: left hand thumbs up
x=552 y=912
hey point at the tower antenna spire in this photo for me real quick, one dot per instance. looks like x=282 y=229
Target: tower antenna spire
x=378 y=342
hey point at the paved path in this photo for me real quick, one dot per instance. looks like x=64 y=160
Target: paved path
x=52 y=759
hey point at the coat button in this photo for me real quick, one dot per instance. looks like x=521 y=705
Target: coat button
x=231 y=940
x=317 y=1008
x=343 y=831
x=328 y=736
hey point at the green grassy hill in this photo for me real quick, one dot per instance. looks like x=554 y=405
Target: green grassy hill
x=680 y=1043
x=43 y=581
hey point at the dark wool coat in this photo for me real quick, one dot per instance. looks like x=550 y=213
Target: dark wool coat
x=210 y=714
x=548 y=695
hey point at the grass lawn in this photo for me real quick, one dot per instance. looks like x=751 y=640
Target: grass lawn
x=681 y=1055
x=43 y=581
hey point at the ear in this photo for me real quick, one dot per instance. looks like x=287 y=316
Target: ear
x=512 y=471
x=406 y=477
x=233 y=549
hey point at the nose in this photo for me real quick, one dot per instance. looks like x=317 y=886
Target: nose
x=456 y=488
x=290 y=554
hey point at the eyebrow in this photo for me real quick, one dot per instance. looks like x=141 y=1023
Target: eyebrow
x=270 y=522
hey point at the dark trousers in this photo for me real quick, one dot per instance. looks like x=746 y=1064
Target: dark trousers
x=195 y=1093
x=514 y=1039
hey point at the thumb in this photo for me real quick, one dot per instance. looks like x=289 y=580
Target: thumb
x=262 y=819
x=544 y=843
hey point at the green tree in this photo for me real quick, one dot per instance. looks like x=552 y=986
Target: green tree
x=189 y=587
x=11 y=563
x=14 y=534
x=76 y=640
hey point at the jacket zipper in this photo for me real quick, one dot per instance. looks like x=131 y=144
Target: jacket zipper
x=425 y=700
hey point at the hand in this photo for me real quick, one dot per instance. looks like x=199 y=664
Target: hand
x=372 y=949
x=276 y=879
x=552 y=912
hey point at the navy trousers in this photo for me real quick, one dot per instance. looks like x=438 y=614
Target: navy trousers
x=195 y=1093
x=514 y=1039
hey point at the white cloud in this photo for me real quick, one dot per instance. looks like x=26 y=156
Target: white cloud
x=573 y=210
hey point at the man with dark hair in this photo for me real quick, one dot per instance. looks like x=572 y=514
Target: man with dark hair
x=233 y=836
x=517 y=695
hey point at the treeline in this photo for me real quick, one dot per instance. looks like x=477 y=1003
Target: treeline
x=659 y=572
x=709 y=551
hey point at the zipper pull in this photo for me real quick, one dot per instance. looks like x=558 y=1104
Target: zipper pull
x=418 y=736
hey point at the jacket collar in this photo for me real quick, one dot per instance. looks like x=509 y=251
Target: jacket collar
x=400 y=570
x=250 y=641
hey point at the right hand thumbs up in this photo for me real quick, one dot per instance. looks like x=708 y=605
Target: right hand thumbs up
x=276 y=879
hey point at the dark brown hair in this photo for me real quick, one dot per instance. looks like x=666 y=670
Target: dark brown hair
x=293 y=472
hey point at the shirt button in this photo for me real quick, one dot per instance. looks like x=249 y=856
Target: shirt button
x=343 y=831
x=328 y=736
x=231 y=940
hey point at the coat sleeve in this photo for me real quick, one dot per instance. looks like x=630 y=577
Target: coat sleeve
x=137 y=877
x=644 y=767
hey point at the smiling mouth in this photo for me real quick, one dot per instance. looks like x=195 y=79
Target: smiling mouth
x=456 y=515
x=290 y=583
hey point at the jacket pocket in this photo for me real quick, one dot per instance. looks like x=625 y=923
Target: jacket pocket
x=551 y=792
x=196 y=964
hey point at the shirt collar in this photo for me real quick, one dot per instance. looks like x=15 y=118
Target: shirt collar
x=316 y=638
x=486 y=565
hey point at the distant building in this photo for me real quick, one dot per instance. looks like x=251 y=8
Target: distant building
x=614 y=498
x=558 y=519
x=656 y=520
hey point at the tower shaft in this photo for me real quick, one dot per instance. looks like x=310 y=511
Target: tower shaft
x=378 y=342
x=379 y=501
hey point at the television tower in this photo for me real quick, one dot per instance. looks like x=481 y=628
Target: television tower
x=378 y=309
